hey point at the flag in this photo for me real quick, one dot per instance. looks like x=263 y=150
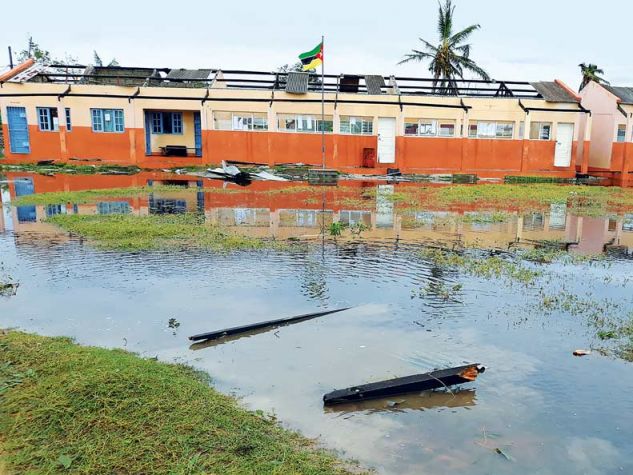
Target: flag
x=312 y=59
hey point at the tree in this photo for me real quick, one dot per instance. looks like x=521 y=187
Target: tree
x=450 y=59
x=590 y=72
x=34 y=51
x=99 y=62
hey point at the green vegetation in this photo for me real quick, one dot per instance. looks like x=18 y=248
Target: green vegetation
x=451 y=58
x=93 y=196
x=610 y=320
x=584 y=200
x=72 y=169
x=485 y=266
x=72 y=409
x=591 y=73
x=135 y=233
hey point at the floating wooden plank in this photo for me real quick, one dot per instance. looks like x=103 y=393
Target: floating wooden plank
x=409 y=384
x=271 y=324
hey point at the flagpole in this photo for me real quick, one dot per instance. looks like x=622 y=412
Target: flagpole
x=323 y=100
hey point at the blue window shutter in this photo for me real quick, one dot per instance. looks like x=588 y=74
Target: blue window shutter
x=18 y=130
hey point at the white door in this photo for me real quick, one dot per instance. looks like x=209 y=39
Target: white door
x=564 y=143
x=386 y=140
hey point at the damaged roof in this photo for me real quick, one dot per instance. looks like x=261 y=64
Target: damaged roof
x=625 y=94
x=554 y=92
x=118 y=76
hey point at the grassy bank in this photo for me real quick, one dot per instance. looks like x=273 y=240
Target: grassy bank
x=135 y=233
x=72 y=409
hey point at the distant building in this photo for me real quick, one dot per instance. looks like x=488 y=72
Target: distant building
x=611 y=131
x=157 y=118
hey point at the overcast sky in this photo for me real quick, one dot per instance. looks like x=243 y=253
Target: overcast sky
x=535 y=40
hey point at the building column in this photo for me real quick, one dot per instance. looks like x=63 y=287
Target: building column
x=584 y=164
x=527 y=125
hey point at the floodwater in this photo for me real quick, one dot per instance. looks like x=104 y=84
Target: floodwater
x=546 y=411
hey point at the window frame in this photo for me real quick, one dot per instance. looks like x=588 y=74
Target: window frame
x=117 y=119
x=493 y=126
x=621 y=128
x=158 y=119
x=366 y=125
x=541 y=125
x=433 y=126
x=305 y=119
x=45 y=113
x=255 y=121
x=67 y=116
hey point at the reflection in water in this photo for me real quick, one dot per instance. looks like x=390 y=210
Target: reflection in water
x=533 y=401
x=416 y=402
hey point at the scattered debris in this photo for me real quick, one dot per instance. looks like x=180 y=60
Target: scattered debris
x=268 y=325
x=421 y=382
x=582 y=352
x=232 y=173
x=8 y=289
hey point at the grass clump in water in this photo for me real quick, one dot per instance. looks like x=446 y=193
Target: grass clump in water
x=486 y=267
x=132 y=233
x=72 y=409
x=91 y=196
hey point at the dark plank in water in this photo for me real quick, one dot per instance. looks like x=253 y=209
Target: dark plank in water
x=262 y=325
x=409 y=384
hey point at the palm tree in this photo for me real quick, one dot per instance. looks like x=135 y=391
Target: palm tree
x=451 y=58
x=590 y=72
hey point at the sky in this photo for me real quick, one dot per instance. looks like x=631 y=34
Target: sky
x=535 y=40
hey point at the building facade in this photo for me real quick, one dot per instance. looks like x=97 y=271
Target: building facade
x=157 y=118
x=611 y=153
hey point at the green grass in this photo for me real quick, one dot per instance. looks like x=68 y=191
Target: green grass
x=136 y=233
x=83 y=410
x=92 y=196
x=584 y=200
x=72 y=168
x=484 y=266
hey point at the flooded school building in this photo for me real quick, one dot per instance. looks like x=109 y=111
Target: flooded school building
x=157 y=118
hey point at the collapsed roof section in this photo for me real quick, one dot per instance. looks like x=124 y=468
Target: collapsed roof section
x=292 y=82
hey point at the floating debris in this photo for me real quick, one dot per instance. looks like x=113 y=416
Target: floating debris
x=269 y=325
x=409 y=384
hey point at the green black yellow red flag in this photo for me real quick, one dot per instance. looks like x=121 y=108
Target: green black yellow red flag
x=312 y=59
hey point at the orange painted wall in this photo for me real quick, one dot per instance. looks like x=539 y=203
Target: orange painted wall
x=489 y=154
x=83 y=143
x=429 y=153
x=425 y=155
x=540 y=154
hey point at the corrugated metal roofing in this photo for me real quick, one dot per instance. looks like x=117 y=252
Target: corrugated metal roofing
x=625 y=94
x=190 y=74
x=374 y=84
x=117 y=76
x=553 y=92
x=297 y=83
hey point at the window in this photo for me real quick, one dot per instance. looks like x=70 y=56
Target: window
x=540 y=131
x=166 y=122
x=240 y=120
x=429 y=128
x=357 y=125
x=69 y=126
x=621 y=133
x=107 y=120
x=491 y=130
x=47 y=119
x=304 y=123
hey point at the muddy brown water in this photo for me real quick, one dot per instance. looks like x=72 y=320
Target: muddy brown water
x=546 y=411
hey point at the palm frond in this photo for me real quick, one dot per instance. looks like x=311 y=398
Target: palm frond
x=463 y=35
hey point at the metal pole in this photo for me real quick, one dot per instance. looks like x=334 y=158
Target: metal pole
x=323 y=100
x=10 y=58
